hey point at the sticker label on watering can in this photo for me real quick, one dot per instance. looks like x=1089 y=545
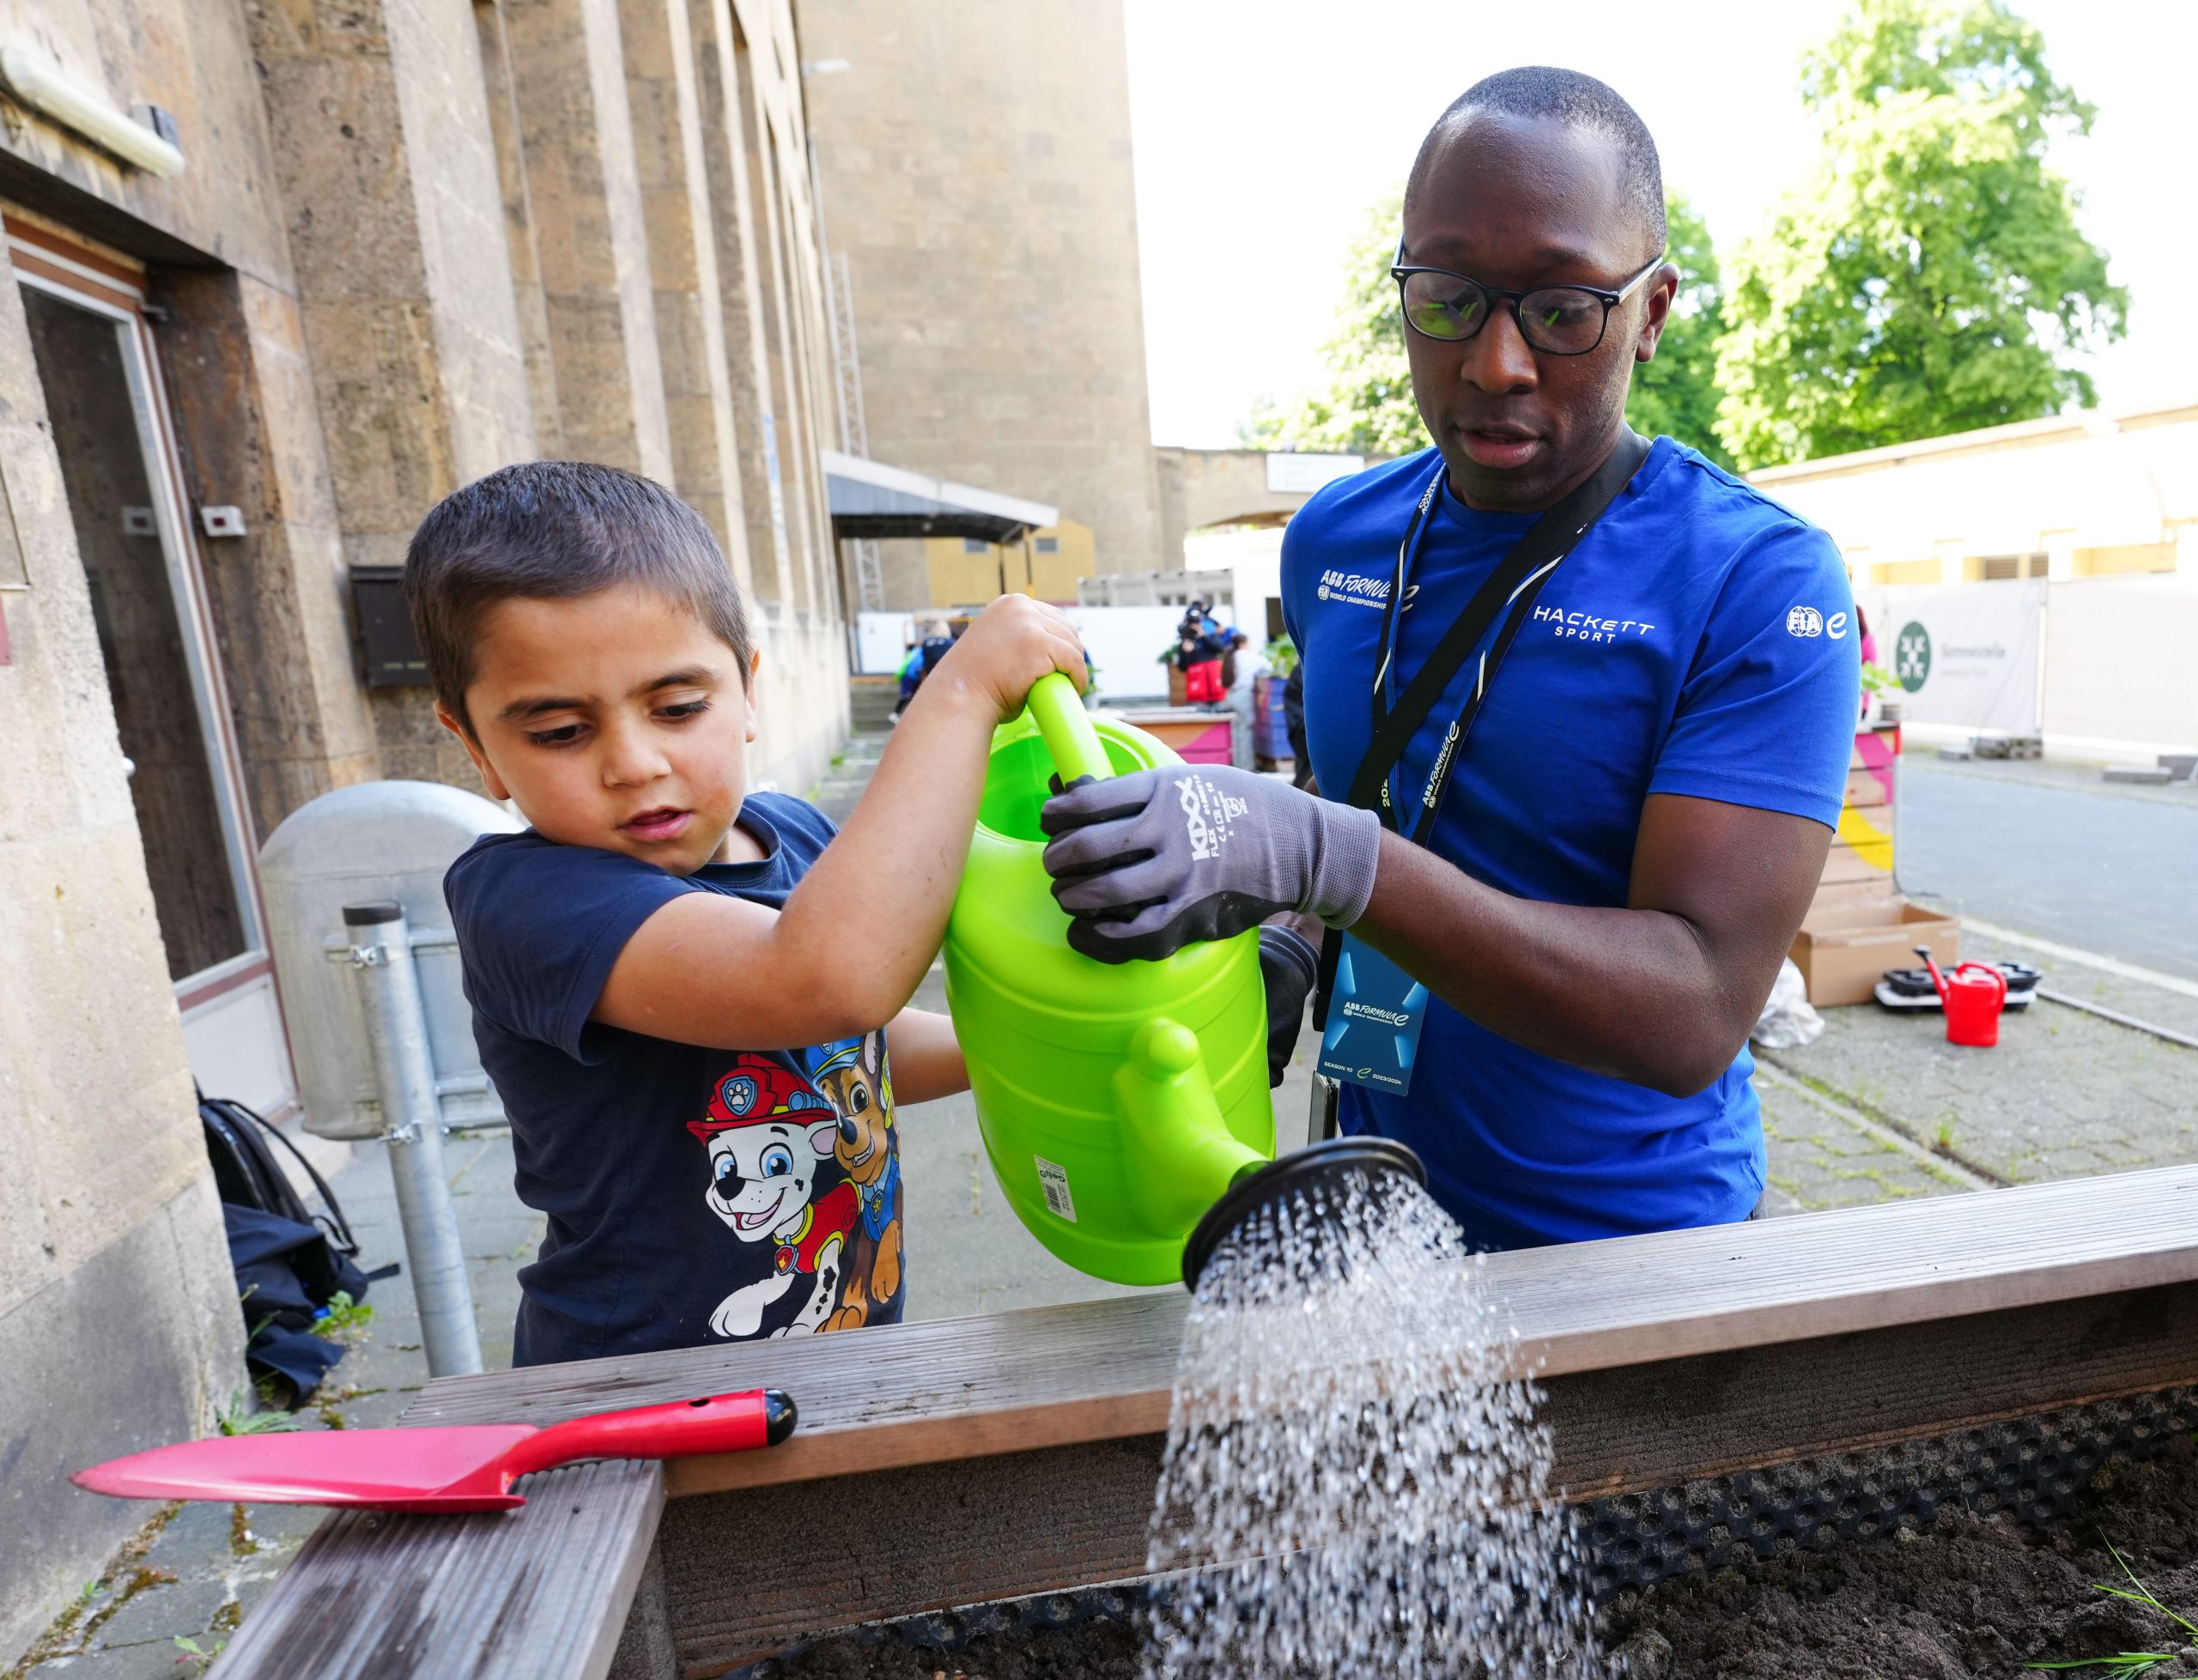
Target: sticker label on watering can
x=1053 y=1179
x=1375 y=1016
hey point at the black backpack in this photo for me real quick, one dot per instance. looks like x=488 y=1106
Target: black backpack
x=246 y=1172
x=290 y=1264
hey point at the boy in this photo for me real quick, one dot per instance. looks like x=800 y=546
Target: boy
x=679 y=989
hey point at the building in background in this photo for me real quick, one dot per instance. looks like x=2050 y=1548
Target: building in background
x=976 y=187
x=2075 y=495
x=967 y=570
x=405 y=245
x=2036 y=581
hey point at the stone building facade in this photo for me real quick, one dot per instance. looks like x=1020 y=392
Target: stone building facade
x=975 y=173
x=412 y=240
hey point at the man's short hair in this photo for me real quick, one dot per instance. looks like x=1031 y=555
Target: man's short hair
x=558 y=531
x=1578 y=101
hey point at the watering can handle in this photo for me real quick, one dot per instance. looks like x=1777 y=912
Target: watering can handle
x=1987 y=974
x=1059 y=711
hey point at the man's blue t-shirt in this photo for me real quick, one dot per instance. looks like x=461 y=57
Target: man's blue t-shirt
x=1700 y=641
x=694 y=1195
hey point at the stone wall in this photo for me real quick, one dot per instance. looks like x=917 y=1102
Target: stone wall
x=414 y=241
x=118 y=1326
x=976 y=167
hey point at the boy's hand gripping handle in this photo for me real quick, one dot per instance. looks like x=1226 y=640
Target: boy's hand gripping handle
x=1058 y=710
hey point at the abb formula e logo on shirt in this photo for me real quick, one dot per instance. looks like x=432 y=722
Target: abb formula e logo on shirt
x=1590 y=627
x=1350 y=586
x=1806 y=622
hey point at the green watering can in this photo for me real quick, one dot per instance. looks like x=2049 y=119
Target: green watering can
x=1124 y=1106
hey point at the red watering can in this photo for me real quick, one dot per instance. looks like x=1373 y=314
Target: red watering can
x=1973 y=996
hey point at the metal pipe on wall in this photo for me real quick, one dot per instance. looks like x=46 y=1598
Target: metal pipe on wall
x=397 y=1029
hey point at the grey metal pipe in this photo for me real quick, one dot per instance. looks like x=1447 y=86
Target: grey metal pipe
x=412 y=1120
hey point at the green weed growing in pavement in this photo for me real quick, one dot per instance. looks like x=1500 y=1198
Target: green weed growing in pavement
x=346 y=1320
x=234 y=1420
x=195 y=1652
x=2129 y=1662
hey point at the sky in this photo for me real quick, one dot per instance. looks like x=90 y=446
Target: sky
x=1263 y=129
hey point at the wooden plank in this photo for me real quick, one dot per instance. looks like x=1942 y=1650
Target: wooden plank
x=538 y=1593
x=956 y=1389
x=946 y=1389
x=1866 y=789
x=1843 y=865
x=1673 y=1294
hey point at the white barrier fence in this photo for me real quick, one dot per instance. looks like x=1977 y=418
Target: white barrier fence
x=2100 y=666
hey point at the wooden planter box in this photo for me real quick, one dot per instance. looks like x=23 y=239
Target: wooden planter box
x=968 y=1460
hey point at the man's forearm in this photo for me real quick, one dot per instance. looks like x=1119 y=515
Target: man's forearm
x=1631 y=993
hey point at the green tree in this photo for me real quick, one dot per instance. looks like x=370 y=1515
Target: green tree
x=1677 y=392
x=1362 y=403
x=1930 y=276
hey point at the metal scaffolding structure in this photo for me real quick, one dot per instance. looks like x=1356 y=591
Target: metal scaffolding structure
x=854 y=433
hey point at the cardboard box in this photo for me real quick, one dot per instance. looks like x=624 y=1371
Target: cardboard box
x=1843 y=948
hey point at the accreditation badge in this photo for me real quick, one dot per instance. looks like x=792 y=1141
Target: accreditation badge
x=1374 y=1015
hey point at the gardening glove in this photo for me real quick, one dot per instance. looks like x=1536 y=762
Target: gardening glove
x=1288 y=967
x=1146 y=863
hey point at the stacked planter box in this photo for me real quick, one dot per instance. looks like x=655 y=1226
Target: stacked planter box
x=1859 y=925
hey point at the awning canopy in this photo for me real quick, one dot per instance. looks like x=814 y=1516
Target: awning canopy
x=870 y=499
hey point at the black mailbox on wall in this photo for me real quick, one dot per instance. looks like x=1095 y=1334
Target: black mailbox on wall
x=393 y=656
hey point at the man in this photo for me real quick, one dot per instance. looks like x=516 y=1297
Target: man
x=1626 y=832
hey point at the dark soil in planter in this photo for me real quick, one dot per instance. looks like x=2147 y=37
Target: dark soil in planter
x=1967 y=1598
x=1108 y=1648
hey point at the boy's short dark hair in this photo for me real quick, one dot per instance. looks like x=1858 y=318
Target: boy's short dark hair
x=555 y=530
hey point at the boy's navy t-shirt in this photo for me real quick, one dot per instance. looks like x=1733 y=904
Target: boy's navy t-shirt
x=694 y=1195
x=1701 y=640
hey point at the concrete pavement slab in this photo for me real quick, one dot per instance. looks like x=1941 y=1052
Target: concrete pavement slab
x=2061 y=1095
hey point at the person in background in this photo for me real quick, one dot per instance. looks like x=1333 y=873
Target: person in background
x=1243 y=666
x=1198 y=646
x=938 y=642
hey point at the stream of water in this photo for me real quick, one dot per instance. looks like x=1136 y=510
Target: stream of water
x=1353 y=1485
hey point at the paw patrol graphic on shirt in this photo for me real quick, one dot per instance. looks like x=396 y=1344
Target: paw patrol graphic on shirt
x=770 y=1133
x=853 y=1077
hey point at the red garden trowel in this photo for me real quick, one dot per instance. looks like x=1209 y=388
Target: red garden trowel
x=468 y=1467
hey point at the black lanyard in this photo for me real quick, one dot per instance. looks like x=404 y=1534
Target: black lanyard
x=1517 y=580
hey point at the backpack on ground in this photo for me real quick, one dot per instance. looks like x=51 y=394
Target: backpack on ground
x=290 y=1264
x=246 y=1172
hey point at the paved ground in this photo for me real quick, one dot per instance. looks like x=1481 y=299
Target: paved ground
x=2051 y=850
x=1880 y=1107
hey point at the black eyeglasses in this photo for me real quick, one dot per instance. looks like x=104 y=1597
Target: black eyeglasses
x=1556 y=320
